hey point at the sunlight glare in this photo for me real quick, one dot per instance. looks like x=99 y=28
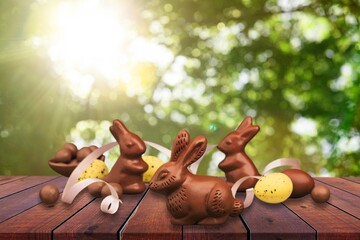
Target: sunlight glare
x=88 y=36
x=93 y=41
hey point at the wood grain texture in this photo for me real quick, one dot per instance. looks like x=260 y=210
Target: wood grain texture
x=275 y=221
x=329 y=221
x=231 y=230
x=343 y=184
x=22 y=184
x=346 y=201
x=24 y=217
x=151 y=220
x=353 y=179
x=6 y=179
x=39 y=221
x=91 y=223
x=23 y=200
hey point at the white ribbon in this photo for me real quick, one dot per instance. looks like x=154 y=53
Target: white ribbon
x=162 y=149
x=292 y=162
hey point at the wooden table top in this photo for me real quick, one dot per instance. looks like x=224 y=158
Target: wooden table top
x=144 y=216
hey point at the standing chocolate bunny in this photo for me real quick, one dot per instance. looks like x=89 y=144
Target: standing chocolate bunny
x=193 y=199
x=130 y=166
x=236 y=163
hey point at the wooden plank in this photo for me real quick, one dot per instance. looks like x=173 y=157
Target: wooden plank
x=343 y=184
x=91 y=223
x=22 y=184
x=23 y=200
x=353 y=179
x=6 y=179
x=39 y=221
x=329 y=221
x=343 y=200
x=151 y=220
x=232 y=229
x=275 y=221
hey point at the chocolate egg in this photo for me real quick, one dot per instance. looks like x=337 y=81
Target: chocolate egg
x=72 y=148
x=105 y=191
x=95 y=189
x=49 y=194
x=320 y=194
x=82 y=153
x=93 y=147
x=303 y=183
x=64 y=156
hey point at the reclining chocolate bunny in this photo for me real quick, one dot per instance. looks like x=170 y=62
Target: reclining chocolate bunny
x=193 y=199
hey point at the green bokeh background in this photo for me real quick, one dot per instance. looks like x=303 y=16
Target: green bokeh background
x=294 y=66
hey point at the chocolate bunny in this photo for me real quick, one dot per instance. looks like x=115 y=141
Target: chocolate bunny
x=193 y=199
x=236 y=163
x=130 y=166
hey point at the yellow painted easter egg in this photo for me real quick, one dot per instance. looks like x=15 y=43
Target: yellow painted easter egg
x=154 y=163
x=273 y=188
x=97 y=169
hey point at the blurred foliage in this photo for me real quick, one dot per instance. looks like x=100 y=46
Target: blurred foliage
x=281 y=62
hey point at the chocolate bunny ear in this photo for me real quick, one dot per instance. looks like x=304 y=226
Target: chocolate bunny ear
x=180 y=143
x=118 y=128
x=250 y=132
x=194 y=151
x=244 y=124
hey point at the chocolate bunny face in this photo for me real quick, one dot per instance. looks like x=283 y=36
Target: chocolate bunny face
x=131 y=145
x=173 y=173
x=168 y=178
x=238 y=139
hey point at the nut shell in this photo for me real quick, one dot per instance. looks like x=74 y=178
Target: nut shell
x=303 y=183
x=49 y=194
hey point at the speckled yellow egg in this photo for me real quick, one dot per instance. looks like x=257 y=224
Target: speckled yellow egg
x=154 y=163
x=97 y=169
x=273 y=188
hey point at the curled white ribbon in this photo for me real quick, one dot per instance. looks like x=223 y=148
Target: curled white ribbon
x=249 y=195
x=292 y=162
